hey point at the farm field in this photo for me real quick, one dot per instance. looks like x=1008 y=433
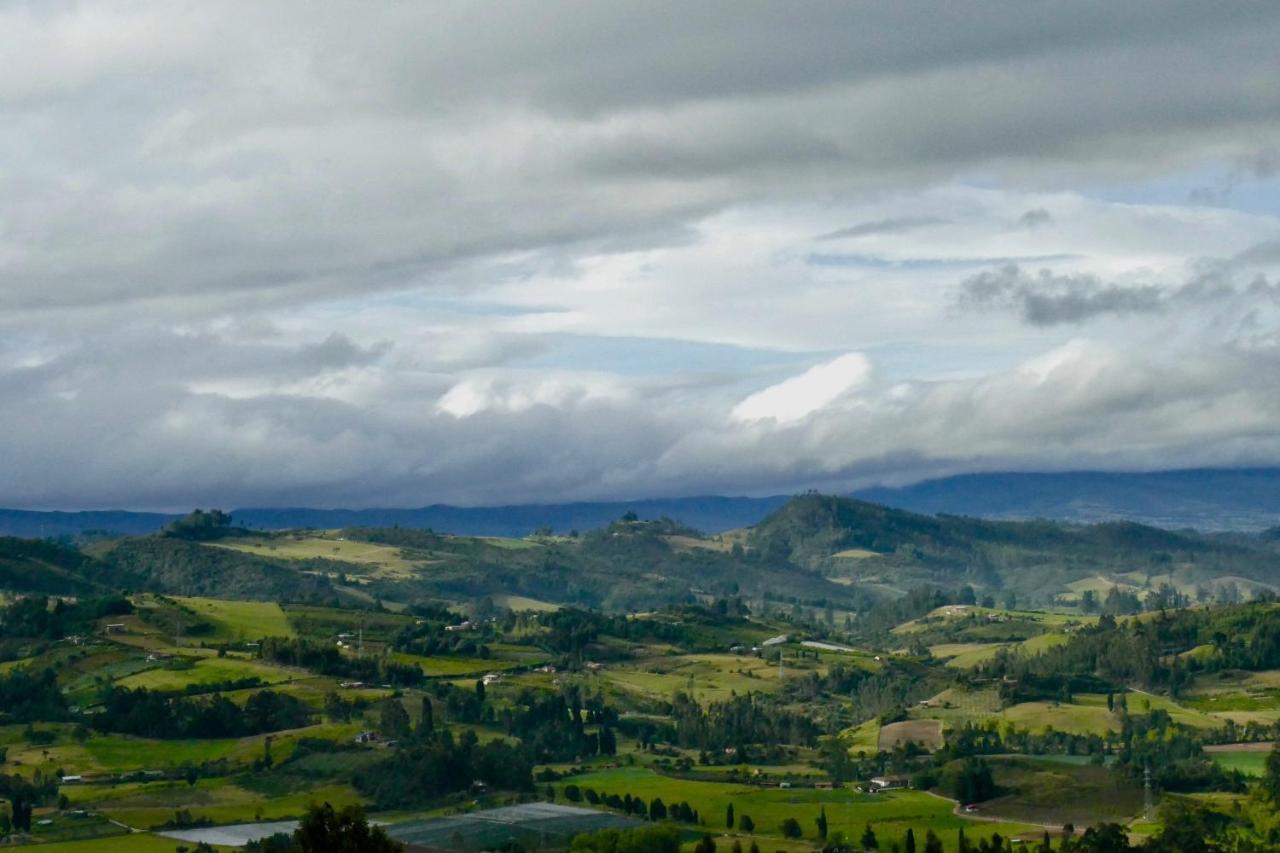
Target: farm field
x=381 y=560
x=208 y=671
x=928 y=733
x=705 y=677
x=1071 y=718
x=890 y=813
x=1249 y=758
x=242 y=620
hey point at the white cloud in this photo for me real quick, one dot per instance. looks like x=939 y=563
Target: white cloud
x=796 y=398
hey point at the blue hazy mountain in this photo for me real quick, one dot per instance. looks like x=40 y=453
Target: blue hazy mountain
x=1208 y=499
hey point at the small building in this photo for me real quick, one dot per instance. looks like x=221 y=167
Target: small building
x=491 y=678
x=67 y=780
x=116 y=628
x=885 y=783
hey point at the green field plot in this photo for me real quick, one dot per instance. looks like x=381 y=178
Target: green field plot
x=1236 y=695
x=1062 y=717
x=202 y=671
x=1143 y=702
x=705 y=677
x=1057 y=793
x=381 y=560
x=454 y=666
x=864 y=737
x=325 y=623
x=848 y=811
x=219 y=800
x=114 y=754
x=1249 y=758
x=247 y=620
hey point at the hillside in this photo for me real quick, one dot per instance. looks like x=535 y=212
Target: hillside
x=1207 y=499
x=866 y=541
x=34 y=566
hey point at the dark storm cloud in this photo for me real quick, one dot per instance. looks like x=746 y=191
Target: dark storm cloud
x=1048 y=299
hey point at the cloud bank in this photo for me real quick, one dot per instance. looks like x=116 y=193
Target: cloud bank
x=281 y=254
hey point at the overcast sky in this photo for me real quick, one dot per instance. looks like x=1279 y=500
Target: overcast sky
x=395 y=254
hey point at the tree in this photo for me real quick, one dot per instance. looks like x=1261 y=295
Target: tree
x=728 y=816
x=480 y=690
x=1104 y=838
x=791 y=828
x=394 y=719
x=746 y=824
x=821 y=821
x=325 y=830
x=706 y=844
x=868 y=839
x=909 y=845
x=427 y=722
x=932 y=843
x=1270 y=784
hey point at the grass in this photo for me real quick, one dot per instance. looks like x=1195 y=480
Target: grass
x=847 y=811
x=454 y=666
x=1248 y=762
x=111 y=754
x=864 y=738
x=1062 y=717
x=381 y=560
x=219 y=800
x=706 y=677
x=249 y=620
x=207 y=671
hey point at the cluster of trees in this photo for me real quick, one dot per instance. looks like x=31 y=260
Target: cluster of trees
x=28 y=697
x=150 y=714
x=642 y=839
x=655 y=809
x=325 y=829
x=553 y=727
x=201 y=526
x=327 y=659
x=738 y=723
x=36 y=617
x=430 y=764
x=1109 y=655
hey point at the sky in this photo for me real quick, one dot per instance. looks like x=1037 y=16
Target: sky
x=353 y=254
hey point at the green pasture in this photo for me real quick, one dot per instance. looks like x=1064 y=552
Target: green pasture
x=138 y=842
x=848 y=811
x=207 y=671
x=247 y=620
x=219 y=800
x=1250 y=762
x=706 y=677
x=454 y=666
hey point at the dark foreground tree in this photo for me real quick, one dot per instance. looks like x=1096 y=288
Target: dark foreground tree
x=325 y=830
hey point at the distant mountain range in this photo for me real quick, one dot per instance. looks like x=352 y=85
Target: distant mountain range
x=1206 y=499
